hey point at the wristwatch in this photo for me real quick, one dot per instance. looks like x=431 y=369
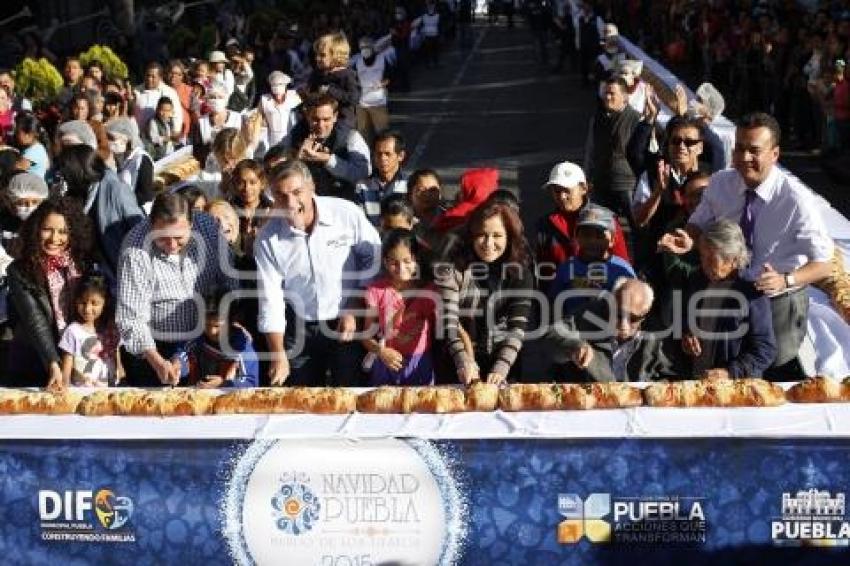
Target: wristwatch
x=790 y=281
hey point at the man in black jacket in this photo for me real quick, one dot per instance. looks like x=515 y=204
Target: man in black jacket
x=605 y=161
x=337 y=155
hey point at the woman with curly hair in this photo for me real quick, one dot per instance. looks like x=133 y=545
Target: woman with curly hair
x=56 y=243
x=486 y=292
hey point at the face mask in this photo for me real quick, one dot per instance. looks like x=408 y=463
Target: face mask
x=23 y=212
x=611 y=49
x=218 y=105
x=278 y=90
x=367 y=52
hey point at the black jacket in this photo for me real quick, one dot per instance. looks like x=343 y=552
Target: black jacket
x=610 y=132
x=34 y=321
x=326 y=184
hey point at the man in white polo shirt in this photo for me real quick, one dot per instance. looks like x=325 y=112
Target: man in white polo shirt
x=786 y=236
x=315 y=255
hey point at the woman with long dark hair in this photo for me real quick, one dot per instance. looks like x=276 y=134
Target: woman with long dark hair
x=55 y=251
x=108 y=202
x=486 y=293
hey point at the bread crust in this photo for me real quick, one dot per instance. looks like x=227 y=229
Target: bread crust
x=747 y=392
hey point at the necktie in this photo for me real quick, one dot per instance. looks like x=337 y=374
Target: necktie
x=747 y=219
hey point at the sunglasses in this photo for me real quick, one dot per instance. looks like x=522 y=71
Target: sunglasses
x=689 y=142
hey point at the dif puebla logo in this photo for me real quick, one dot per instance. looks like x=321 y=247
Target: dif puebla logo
x=85 y=515
x=601 y=518
x=295 y=507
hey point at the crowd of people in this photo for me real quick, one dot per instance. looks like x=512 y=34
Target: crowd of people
x=781 y=57
x=306 y=254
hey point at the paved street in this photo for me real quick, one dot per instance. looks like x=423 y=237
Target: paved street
x=493 y=105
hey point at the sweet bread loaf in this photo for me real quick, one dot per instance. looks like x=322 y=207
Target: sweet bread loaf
x=749 y=392
x=231 y=402
x=530 y=397
x=183 y=402
x=381 y=400
x=754 y=392
x=818 y=389
x=437 y=400
x=481 y=396
x=575 y=396
x=49 y=403
x=10 y=401
x=330 y=400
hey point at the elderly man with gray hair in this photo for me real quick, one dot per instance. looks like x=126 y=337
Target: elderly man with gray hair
x=728 y=327
x=312 y=257
x=603 y=340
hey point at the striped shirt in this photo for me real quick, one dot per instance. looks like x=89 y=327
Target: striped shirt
x=494 y=316
x=370 y=193
x=160 y=297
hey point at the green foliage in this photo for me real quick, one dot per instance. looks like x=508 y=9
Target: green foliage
x=37 y=80
x=113 y=66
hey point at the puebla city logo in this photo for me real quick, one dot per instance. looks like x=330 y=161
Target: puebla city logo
x=295 y=507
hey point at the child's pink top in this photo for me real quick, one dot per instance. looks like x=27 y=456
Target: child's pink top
x=406 y=322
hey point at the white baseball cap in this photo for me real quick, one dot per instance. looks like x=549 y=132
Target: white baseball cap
x=609 y=30
x=565 y=174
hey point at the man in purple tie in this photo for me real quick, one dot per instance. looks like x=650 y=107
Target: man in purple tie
x=785 y=234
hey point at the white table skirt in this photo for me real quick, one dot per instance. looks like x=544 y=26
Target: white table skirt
x=788 y=421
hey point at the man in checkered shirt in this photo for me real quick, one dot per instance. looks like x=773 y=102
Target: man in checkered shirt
x=168 y=263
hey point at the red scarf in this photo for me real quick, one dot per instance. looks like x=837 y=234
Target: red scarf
x=61 y=274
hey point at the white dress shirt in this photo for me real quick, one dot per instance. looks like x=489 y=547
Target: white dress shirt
x=317 y=271
x=788 y=231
